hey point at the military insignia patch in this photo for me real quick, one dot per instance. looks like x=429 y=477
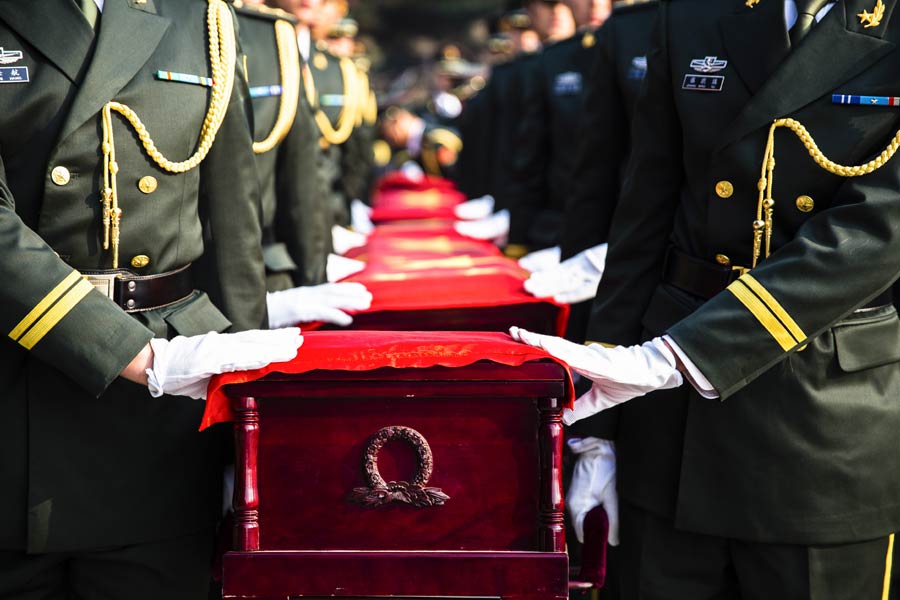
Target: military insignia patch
x=265 y=91
x=865 y=100
x=14 y=75
x=567 y=83
x=872 y=19
x=638 y=69
x=708 y=64
x=8 y=57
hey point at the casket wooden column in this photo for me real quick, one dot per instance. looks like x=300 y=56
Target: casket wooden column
x=400 y=482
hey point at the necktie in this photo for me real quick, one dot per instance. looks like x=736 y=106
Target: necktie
x=806 y=18
x=89 y=8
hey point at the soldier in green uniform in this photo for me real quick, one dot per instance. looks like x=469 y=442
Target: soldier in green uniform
x=543 y=154
x=776 y=472
x=434 y=148
x=122 y=164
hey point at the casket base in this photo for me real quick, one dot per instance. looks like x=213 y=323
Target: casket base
x=267 y=575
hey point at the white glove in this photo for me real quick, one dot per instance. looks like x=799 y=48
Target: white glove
x=541 y=260
x=494 y=227
x=361 y=217
x=619 y=374
x=343 y=240
x=593 y=484
x=477 y=208
x=341 y=267
x=183 y=366
x=326 y=302
x=412 y=171
x=573 y=280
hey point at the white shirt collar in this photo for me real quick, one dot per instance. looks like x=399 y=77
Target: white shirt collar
x=790 y=12
x=304 y=42
x=99 y=4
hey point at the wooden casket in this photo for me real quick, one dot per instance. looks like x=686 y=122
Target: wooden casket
x=423 y=482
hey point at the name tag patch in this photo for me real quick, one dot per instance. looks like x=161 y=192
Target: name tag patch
x=865 y=100
x=567 y=83
x=14 y=75
x=265 y=91
x=703 y=83
x=184 y=78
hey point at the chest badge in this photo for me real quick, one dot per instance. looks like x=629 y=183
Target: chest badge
x=872 y=19
x=14 y=75
x=8 y=57
x=705 y=81
x=638 y=69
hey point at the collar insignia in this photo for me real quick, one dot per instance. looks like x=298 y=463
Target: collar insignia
x=751 y=3
x=872 y=19
x=709 y=64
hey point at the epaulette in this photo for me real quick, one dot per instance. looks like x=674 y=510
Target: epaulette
x=626 y=6
x=261 y=11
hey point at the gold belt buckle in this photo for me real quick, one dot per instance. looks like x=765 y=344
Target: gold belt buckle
x=104 y=283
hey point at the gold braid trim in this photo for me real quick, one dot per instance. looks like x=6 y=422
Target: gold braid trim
x=765 y=210
x=347 y=118
x=289 y=65
x=370 y=115
x=222 y=59
x=362 y=95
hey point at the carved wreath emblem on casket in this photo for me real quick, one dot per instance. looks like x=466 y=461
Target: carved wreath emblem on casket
x=379 y=492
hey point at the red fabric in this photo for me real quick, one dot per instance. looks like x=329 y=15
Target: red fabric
x=433 y=246
x=402 y=204
x=370 y=350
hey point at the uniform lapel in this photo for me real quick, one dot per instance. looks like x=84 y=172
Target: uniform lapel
x=129 y=34
x=756 y=40
x=56 y=28
x=836 y=50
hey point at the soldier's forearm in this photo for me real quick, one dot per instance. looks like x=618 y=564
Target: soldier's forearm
x=136 y=371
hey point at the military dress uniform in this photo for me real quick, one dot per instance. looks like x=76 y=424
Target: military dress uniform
x=93 y=468
x=296 y=218
x=543 y=154
x=789 y=486
x=618 y=67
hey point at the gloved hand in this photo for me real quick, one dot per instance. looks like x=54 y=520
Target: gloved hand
x=593 y=484
x=541 y=260
x=619 y=374
x=326 y=302
x=494 y=227
x=361 y=217
x=343 y=240
x=477 y=208
x=183 y=366
x=412 y=171
x=573 y=280
x=341 y=267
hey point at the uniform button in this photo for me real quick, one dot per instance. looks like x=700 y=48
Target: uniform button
x=805 y=204
x=132 y=286
x=724 y=189
x=723 y=260
x=60 y=175
x=148 y=184
x=131 y=303
x=140 y=261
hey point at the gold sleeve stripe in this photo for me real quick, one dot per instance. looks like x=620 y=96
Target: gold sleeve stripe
x=42 y=306
x=56 y=314
x=763 y=315
x=774 y=306
x=886 y=589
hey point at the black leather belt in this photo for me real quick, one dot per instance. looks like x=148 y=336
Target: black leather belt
x=137 y=293
x=705 y=279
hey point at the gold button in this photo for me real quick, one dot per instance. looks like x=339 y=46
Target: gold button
x=320 y=62
x=723 y=260
x=140 y=261
x=588 y=40
x=724 y=189
x=805 y=203
x=60 y=175
x=148 y=184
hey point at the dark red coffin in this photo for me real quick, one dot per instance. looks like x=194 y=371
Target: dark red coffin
x=400 y=482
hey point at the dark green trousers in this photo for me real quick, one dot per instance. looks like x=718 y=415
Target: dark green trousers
x=658 y=562
x=172 y=570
